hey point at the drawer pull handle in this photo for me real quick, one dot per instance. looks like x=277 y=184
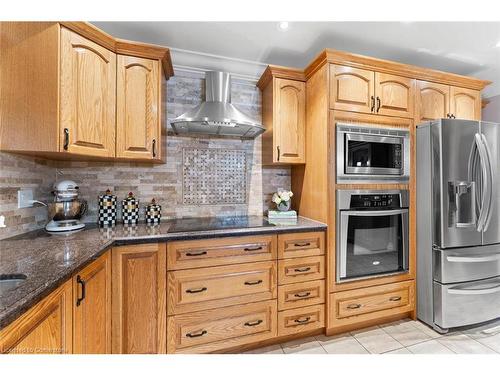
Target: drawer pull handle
x=253 y=324
x=398 y=298
x=253 y=282
x=302 y=295
x=196 y=254
x=253 y=248
x=302 y=320
x=194 y=335
x=305 y=269
x=199 y=290
x=302 y=244
x=354 y=306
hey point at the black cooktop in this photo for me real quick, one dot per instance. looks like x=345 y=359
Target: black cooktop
x=216 y=223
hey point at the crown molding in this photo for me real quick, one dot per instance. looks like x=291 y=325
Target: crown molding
x=199 y=62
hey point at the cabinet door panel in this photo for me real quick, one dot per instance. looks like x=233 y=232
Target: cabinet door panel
x=45 y=329
x=87 y=97
x=139 y=299
x=137 y=117
x=92 y=311
x=465 y=104
x=351 y=89
x=395 y=95
x=433 y=101
x=290 y=120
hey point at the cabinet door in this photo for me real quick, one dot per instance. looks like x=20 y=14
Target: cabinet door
x=290 y=120
x=138 y=108
x=139 y=299
x=433 y=101
x=465 y=104
x=87 y=97
x=352 y=89
x=92 y=308
x=394 y=95
x=45 y=329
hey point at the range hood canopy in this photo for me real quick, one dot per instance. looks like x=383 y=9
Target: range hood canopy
x=216 y=115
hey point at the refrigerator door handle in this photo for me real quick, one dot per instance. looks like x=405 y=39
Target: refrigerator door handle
x=465 y=290
x=484 y=171
x=473 y=259
x=488 y=183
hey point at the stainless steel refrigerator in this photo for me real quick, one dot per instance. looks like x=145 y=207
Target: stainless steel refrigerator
x=458 y=223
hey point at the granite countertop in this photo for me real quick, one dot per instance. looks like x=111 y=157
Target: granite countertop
x=48 y=260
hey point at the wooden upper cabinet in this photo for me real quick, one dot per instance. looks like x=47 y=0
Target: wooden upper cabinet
x=139 y=299
x=432 y=101
x=352 y=89
x=435 y=101
x=465 y=104
x=290 y=120
x=92 y=308
x=45 y=329
x=87 y=97
x=395 y=95
x=138 y=108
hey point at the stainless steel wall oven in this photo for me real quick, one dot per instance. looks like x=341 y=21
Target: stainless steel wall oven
x=368 y=154
x=372 y=233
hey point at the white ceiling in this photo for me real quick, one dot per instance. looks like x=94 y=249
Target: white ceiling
x=467 y=48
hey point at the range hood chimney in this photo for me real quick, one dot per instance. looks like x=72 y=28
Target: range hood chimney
x=216 y=115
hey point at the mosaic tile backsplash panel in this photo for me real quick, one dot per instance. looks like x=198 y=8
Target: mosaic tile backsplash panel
x=161 y=181
x=214 y=176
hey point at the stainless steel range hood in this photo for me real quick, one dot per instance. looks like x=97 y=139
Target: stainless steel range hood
x=216 y=115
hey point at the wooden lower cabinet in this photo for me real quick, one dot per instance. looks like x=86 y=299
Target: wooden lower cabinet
x=92 y=308
x=299 y=270
x=296 y=245
x=45 y=329
x=208 y=288
x=139 y=299
x=301 y=320
x=301 y=294
x=351 y=307
x=224 y=328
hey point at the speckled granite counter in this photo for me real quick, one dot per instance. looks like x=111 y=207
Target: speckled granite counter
x=49 y=260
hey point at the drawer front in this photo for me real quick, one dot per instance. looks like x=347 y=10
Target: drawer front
x=460 y=265
x=301 y=294
x=294 y=245
x=300 y=269
x=218 y=329
x=466 y=303
x=207 y=288
x=370 y=303
x=220 y=251
x=301 y=320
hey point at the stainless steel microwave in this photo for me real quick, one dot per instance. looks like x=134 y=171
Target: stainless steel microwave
x=367 y=154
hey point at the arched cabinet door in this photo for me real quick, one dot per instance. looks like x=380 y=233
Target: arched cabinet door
x=138 y=108
x=290 y=121
x=87 y=97
x=433 y=101
x=352 y=89
x=465 y=104
x=394 y=95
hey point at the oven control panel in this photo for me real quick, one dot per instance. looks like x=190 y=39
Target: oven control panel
x=375 y=201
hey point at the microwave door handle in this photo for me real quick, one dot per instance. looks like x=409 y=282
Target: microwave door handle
x=376 y=213
x=398 y=140
x=488 y=183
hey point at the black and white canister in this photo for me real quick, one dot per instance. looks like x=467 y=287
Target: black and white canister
x=107 y=209
x=130 y=210
x=153 y=212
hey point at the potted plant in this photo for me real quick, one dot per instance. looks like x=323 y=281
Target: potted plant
x=283 y=200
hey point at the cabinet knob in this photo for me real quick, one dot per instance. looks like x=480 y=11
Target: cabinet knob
x=199 y=290
x=278 y=149
x=302 y=320
x=253 y=248
x=193 y=335
x=253 y=282
x=373 y=104
x=253 y=324
x=393 y=299
x=302 y=295
x=354 y=306
x=200 y=253
x=303 y=269
x=154 y=148
x=80 y=281
x=378 y=104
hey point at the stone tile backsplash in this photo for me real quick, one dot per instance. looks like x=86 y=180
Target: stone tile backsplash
x=222 y=187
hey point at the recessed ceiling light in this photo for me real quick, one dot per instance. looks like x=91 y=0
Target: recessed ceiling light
x=283 y=25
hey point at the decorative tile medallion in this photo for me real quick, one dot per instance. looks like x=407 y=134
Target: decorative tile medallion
x=214 y=176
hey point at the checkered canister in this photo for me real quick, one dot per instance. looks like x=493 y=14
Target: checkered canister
x=107 y=209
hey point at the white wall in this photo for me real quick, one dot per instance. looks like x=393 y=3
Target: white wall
x=492 y=110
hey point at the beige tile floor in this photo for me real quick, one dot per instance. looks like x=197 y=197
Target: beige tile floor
x=401 y=337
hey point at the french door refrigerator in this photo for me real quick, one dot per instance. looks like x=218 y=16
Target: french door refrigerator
x=458 y=223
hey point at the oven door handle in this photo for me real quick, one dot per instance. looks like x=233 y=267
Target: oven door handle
x=375 y=213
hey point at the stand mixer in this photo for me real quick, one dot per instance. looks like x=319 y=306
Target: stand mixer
x=67 y=209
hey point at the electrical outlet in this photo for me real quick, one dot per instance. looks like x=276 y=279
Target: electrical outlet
x=25 y=198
